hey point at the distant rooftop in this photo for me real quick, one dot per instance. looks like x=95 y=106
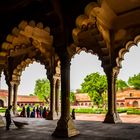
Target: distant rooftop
x=21 y=98
x=82 y=97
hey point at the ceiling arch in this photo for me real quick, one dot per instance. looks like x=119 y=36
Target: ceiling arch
x=28 y=34
x=126 y=49
x=28 y=40
x=17 y=72
x=27 y=37
x=90 y=34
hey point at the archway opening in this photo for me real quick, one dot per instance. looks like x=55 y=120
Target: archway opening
x=135 y=104
x=3 y=91
x=33 y=82
x=29 y=76
x=3 y=85
x=1 y=103
x=34 y=91
x=82 y=65
x=130 y=68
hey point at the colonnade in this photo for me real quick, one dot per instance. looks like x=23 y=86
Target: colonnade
x=12 y=95
x=65 y=126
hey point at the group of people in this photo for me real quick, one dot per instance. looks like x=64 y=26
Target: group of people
x=39 y=112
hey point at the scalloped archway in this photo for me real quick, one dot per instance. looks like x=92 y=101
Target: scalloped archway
x=20 y=68
x=126 y=49
x=27 y=37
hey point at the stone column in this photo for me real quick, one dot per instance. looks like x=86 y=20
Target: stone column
x=0 y=79
x=52 y=114
x=112 y=115
x=15 y=90
x=10 y=89
x=57 y=99
x=65 y=126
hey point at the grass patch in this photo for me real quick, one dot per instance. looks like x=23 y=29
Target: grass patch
x=90 y=110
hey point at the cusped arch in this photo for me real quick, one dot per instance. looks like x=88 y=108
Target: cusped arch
x=91 y=34
x=20 y=68
x=90 y=22
x=78 y=51
x=27 y=34
x=126 y=49
x=86 y=21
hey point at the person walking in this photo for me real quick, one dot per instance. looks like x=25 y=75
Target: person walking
x=73 y=114
x=37 y=112
x=8 y=117
x=44 y=114
x=41 y=111
x=28 y=111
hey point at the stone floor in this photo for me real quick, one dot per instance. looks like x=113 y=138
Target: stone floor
x=41 y=129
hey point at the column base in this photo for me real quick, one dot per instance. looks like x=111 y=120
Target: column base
x=1 y=121
x=112 y=118
x=52 y=116
x=65 y=129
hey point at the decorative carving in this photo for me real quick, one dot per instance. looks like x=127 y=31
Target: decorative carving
x=18 y=71
x=122 y=51
x=26 y=34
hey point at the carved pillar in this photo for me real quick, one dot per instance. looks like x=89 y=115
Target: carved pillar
x=52 y=114
x=15 y=90
x=10 y=89
x=57 y=99
x=65 y=126
x=112 y=115
x=0 y=78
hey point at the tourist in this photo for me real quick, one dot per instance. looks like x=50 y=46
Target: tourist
x=28 y=111
x=23 y=112
x=44 y=114
x=37 y=112
x=41 y=111
x=8 y=117
x=33 y=113
x=73 y=114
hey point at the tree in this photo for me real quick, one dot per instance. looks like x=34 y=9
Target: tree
x=120 y=85
x=78 y=91
x=42 y=89
x=134 y=81
x=31 y=94
x=95 y=85
x=72 y=97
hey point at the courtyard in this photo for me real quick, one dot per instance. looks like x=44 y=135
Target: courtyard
x=91 y=127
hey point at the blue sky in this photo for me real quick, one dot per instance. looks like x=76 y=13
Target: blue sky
x=81 y=65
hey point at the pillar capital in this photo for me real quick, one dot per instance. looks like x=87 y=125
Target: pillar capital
x=116 y=71
x=12 y=83
x=112 y=72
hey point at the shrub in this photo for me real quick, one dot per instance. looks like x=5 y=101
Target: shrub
x=90 y=110
x=122 y=110
x=134 y=111
x=2 y=110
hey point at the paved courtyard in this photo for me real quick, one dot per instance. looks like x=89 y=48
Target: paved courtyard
x=100 y=117
x=90 y=127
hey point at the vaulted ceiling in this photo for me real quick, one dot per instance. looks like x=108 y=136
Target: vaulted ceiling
x=41 y=30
